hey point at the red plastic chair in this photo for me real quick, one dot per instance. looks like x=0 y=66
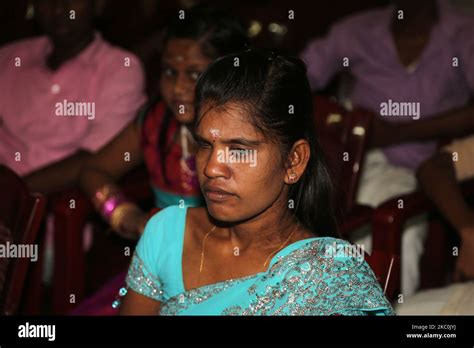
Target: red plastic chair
x=69 y=223
x=21 y=213
x=388 y=224
x=344 y=137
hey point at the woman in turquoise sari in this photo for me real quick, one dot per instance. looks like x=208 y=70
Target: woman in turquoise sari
x=265 y=244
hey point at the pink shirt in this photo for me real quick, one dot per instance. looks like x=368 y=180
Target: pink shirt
x=47 y=115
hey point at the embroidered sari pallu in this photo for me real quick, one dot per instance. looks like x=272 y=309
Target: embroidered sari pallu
x=305 y=278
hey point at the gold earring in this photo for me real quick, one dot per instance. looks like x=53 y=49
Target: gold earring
x=293 y=176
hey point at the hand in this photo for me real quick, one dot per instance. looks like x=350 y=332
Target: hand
x=465 y=263
x=384 y=133
x=132 y=223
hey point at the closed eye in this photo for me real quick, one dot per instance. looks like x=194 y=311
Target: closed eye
x=235 y=148
x=203 y=144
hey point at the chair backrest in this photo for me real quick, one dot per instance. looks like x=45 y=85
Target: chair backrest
x=21 y=213
x=344 y=137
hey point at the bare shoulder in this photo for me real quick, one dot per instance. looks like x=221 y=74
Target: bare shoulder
x=197 y=220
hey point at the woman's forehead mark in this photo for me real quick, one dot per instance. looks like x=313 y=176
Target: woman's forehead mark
x=215 y=133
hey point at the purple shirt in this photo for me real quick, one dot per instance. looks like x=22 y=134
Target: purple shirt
x=47 y=115
x=433 y=82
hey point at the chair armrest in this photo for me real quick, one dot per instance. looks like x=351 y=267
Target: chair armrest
x=70 y=210
x=389 y=218
x=388 y=222
x=387 y=226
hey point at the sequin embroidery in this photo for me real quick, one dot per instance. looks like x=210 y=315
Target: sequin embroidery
x=142 y=281
x=304 y=282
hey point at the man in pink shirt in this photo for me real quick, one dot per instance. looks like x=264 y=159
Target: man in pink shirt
x=63 y=95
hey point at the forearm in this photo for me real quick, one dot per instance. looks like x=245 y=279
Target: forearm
x=438 y=180
x=124 y=216
x=111 y=162
x=58 y=176
x=92 y=179
x=452 y=124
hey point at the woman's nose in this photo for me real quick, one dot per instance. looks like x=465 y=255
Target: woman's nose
x=181 y=86
x=216 y=166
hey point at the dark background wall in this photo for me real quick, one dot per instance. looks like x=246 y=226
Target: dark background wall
x=127 y=22
x=135 y=24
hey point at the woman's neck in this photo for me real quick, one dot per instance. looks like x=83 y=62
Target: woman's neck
x=266 y=230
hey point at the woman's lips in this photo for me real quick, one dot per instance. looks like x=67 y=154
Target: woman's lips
x=217 y=195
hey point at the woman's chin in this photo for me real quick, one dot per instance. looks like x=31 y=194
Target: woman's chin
x=226 y=213
x=186 y=118
x=220 y=212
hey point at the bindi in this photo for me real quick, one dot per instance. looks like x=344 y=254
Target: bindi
x=215 y=133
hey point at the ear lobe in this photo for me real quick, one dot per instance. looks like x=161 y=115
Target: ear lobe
x=293 y=177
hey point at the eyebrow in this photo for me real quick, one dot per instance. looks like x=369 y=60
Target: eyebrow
x=240 y=141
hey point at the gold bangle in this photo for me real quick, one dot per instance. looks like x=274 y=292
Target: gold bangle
x=103 y=194
x=119 y=213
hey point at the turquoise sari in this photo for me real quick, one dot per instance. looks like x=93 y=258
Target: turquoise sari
x=302 y=279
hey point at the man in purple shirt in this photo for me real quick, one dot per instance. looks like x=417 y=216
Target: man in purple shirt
x=413 y=65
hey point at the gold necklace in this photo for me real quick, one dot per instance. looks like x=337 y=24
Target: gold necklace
x=279 y=248
x=266 y=260
x=202 y=248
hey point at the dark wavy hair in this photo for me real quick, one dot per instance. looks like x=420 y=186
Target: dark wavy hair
x=268 y=86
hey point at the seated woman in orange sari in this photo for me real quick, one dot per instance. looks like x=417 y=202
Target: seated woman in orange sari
x=266 y=241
